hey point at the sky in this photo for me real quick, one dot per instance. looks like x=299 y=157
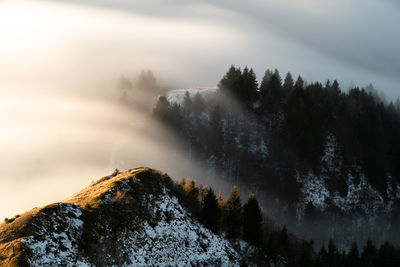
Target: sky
x=60 y=60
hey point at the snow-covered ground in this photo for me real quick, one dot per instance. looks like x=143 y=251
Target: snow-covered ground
x=170 y=236
x=360 y=194
x=177 y=239
x=56 y=241
x=177 y=96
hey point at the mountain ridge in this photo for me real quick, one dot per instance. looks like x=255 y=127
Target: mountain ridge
x=128 y=218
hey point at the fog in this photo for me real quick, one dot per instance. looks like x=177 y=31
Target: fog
x=352 y=41
x=61 y=126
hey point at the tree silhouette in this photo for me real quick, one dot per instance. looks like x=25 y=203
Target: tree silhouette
x=252 y=221
x=368 y=255
x=211 y=212
x=353 y=257
x=234 y=209
x=271 y=92
x=288 y=84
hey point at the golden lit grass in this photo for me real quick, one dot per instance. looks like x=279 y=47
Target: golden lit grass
x=12 y=232
x=89 y=197
x=11 y=253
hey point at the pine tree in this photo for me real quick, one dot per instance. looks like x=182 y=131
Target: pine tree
x=284 y=245
x=271 y=91
x=248 y=91
x=234 y=209
x=161 y=111
x=335 y=87
x=368 y=255
x=333 y=254
x=387 y=255
x=231 y=82
x=299 y=83
x=353 y=257
x=252 y=221
x=267 y=76
x=288 y=84
x=323 y=256
x=175 y=116
x=306 y=255
x=211 y=212
x=146 y=80
x=193 y=190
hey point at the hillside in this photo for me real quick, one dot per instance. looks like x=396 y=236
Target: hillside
x=128 y=218
x=323 y=161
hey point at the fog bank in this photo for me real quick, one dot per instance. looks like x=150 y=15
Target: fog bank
x=60 y=124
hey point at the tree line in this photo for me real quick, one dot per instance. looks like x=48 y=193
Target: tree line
x=229 y=216
x=236 y=220
x=278 y=128
x=298 y=117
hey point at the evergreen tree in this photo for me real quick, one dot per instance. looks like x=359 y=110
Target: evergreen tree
x=299 y=83
x=387 y=255
x=146 y=80
x=323 y=256
x=161 y=111
x=368 y=255
x=175 y=116
x=271 y=92
x=249 y=87
x=267 y=76
x=288 y=84
x=211 y=212
x=306 y=255
x=252 y=221
x=198 y=104
x=333 y=254
x=231 y=82
x=353 y=258
x=193 y=190
x=335 y=87
x=234 y=209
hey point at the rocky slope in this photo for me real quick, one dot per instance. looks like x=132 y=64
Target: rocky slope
x=129 y=218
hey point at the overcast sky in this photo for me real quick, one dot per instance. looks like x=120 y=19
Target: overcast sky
x=355 y=40
x=59 y=62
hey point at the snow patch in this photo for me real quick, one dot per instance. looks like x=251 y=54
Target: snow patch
x=314 y=190
x=177 y=239
x=56 y=241
x=177 y=96
x=362 y=196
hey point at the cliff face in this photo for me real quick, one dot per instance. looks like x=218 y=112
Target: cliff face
x=131 y=218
